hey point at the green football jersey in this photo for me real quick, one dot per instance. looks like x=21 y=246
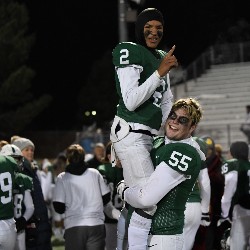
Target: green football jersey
x=7 y=168
x=242 y=193
x=112 y=176
x=195 y=193
x=183 y=158
x=149 y=113
x=22 y=183
x=229 y=166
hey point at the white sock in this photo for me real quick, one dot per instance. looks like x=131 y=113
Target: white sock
x=121 y=228
x=138 y=231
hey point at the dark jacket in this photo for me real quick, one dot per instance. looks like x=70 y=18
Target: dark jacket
x=38 y=238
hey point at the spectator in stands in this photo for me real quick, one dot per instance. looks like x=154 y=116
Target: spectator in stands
x=81 y=193
x=98 y=156
x=40 y=236
x=245 y=127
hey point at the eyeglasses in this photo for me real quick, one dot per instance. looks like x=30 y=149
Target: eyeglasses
x=181 y=119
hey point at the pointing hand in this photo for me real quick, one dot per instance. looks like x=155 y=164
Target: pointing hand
x=168 y=62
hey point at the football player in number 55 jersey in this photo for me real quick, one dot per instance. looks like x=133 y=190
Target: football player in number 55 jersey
x=177 y=159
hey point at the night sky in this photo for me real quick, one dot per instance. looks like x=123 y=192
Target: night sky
x=72 y=35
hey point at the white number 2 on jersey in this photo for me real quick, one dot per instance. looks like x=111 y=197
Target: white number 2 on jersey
x=179 y=160
x=124 y=55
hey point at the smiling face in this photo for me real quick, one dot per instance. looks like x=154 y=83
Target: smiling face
x=153 y=32
x=179 y=125
x=28 y=153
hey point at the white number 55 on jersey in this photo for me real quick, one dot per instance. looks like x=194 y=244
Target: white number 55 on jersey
x=179 y=160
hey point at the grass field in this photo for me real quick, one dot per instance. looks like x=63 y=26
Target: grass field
x=58 y=248
x=57 y=244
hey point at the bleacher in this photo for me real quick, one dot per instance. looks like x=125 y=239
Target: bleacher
x=224 y=91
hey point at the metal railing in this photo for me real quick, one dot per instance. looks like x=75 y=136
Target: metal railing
x=217 y=54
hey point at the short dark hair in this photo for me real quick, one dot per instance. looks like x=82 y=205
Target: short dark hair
x=75 y=153
x=239 y=150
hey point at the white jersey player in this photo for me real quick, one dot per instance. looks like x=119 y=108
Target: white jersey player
x=82 y=194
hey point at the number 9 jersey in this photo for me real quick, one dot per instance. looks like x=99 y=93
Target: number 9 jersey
x=7 y=167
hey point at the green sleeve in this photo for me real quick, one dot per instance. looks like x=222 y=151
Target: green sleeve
x=108 y=172
x=24 y=181
x=28 y=183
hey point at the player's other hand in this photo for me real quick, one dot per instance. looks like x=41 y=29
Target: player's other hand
x=120 y=188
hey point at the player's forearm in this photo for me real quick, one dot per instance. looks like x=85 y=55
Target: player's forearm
x=162 y=180
x=225 y=207
x=205 y=190
x=166 y=108
x=29 y=205
x=111 y=211
x=229 y=190
x=133 y=94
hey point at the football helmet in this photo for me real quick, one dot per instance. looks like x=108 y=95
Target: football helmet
x=13 y=151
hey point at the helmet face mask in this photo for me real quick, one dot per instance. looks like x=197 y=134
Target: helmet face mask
x=19 y=161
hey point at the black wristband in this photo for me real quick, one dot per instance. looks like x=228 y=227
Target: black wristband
x=123 y=193
x=20 y=224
